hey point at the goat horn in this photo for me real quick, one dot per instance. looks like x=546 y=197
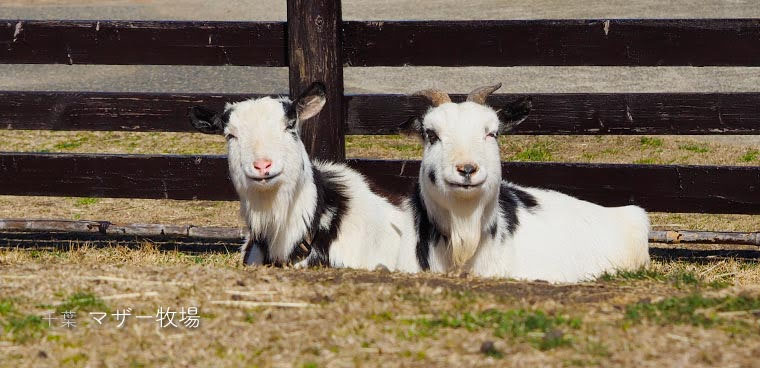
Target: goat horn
x=479 y=95
x=436 y=97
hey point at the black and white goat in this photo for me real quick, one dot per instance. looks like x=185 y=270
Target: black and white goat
x=300 y=212
x=469 y=219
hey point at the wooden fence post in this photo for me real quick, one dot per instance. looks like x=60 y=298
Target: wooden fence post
x=315 y=54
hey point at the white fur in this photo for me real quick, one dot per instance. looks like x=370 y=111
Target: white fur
x=373 y=231
x=562 y=239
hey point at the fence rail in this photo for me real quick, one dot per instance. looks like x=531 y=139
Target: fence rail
x=143 y=42
x=708 y=189
x=577 y=113
x=626 y=42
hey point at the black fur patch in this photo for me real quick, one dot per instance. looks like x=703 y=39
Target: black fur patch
x=427 y=232
x=299 y=252
x=330 y=197
x=207 y=121
x=261 y=245
x=224 y=119
x=510 y=199
x=431 y=176
x=290 y=111
x=492 y=229
x=528 y=201
x=392 y=198
x=294 y=134
x=291 y=117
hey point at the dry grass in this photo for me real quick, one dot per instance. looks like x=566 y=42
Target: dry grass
x=109 y=142
x=199 y=213
x=359 y=318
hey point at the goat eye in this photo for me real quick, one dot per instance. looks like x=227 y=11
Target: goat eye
x=229 y=136
x=431 y=136
x=492 y=135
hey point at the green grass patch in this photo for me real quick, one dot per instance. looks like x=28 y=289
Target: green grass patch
x=6 y=307
x=537 y=152
x=542 y=330
x=19 y=327
x=381 y=317
x=82 y=301
x=71 y=144
x=751 y=156
x=75 y=360
x=695 y=310
x=650 y=142
x=86 y=201
x=249 y=317
x=678 y=278
x=610 y=151
x=694 y=147
x=406 y=148
x=641 y=274
x=24 y=328
x=719 y=284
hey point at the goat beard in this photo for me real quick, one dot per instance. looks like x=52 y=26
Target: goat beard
x=465 y=238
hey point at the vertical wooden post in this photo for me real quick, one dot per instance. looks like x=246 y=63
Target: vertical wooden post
x=315 y=51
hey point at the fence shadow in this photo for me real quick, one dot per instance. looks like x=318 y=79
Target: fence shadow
x=64 y=242
x=704 y=255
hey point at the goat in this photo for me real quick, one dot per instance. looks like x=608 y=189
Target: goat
x=469 y=219
x=297 y=211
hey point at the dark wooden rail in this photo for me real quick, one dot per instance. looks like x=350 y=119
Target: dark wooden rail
x=143 y=42
x=586 y=113
x=634 y=42
x=606 y=113
x=709 y=189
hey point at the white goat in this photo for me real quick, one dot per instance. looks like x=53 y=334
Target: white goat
x=469 y=219
x=298 y=211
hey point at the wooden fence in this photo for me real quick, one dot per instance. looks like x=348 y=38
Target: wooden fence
x=315 y=44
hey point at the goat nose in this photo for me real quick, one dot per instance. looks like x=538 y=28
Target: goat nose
x=262 y=166
x=467 y=169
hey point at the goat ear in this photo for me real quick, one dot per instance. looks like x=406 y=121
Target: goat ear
x=411 y=127
x=514 y=113
x=310 y=102
x=207 y=121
